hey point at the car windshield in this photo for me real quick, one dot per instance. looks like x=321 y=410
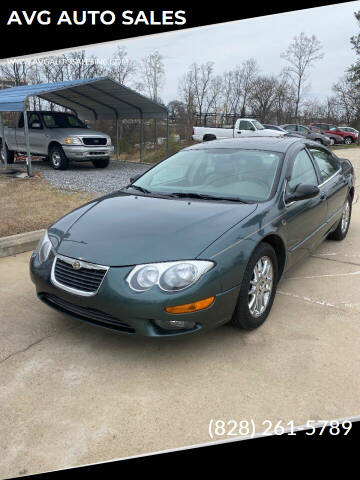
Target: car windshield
x=258 y=125
x=62 y=120
x=214 y=174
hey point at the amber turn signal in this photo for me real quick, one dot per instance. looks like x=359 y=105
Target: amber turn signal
x=191 y=307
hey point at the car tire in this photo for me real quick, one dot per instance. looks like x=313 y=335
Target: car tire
x=246 y=316
x=318 y=140
x=208 y=138
x=348 y=140
x=10 y=155
x=332 y=142
x=101 y=162
x=58 y=158
x=344 y=223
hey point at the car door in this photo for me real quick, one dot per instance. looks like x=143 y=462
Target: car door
x=304 y=219
x=36 y=134
x=333 y=182
x=245 y=128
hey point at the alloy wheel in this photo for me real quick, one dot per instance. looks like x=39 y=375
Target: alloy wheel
x=261 y=285
x=345 y=218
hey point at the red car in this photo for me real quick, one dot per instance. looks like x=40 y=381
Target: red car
x=349 y=137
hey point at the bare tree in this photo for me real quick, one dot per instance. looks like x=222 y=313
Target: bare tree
x=187 y=96
x=152 y=72
x=16 y=72
x=122 y=68
x=201 y=76
x=262 y=97
x=247 y=74
x=301 y=54
x=81 y=66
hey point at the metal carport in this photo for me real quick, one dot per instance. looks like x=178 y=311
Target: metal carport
x=89 y=99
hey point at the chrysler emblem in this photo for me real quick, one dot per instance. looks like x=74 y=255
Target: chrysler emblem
x=76 y=265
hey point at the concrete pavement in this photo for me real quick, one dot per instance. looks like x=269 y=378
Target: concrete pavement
x=73 y=394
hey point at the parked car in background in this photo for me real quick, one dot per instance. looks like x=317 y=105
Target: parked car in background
x=274 y=127
x=349 y=137
x=350 y=129
x=199 y=240
x=60 y=137
x=334 y=139
x=307 y=133
x=244 y=127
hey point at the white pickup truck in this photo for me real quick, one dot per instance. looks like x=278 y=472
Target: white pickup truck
x=244 y=127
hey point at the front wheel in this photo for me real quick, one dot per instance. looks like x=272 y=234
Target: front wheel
x=58 y=158
x=343 y=227
x=318 y=140
x=258 y=289
x=348 y=140
x=10 y=155
x=332 y=141
x=101 y=162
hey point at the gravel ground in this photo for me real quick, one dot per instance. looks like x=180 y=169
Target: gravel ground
x=84 y=177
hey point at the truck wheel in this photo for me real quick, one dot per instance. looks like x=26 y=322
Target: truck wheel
x=58 y=158
x=348 y=140
x=10 y=155
x=209 y=137
x=101 y=162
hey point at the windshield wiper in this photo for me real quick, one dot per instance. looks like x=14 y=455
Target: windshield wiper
x=141 y=189
x=203 y=196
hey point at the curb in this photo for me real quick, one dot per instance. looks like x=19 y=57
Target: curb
x=23 y=242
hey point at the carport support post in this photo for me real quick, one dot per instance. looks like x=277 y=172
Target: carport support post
x=28 y=157
x=167 y=134
x=141 y=136
x=117 y=137
x=2 y=131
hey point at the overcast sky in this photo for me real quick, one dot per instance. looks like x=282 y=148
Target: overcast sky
x=263 y=38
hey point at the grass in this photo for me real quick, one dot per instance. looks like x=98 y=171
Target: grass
x=32 y=204
x=157 y=154
x=353 y=145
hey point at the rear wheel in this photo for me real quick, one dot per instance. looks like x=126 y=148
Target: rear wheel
x=10 y=155
x=258 y=289
x=348 y=140
x=209 y=137
x=101 y=162
x=344 y=223
x=58 y=158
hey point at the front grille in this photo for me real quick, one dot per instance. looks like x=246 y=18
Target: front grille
x=88 y=314
x=94 y=141
x=85 y=279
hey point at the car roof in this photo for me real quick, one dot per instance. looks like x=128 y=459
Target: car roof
x=275 y=144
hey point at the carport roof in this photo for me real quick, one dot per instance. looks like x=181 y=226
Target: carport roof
x=89 y=98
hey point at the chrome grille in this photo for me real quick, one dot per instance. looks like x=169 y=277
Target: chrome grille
x=84 y=280
x=94 y=141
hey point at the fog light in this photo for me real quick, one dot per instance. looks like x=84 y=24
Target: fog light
x=175 y=324
x=191 y=307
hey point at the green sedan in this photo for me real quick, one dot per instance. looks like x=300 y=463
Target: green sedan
x=199 y=240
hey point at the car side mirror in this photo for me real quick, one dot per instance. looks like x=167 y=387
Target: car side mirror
x=303 y=191
x=135 y=177
x=36 y=125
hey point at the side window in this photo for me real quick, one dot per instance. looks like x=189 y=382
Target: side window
x=34 y=118
x=245 y=125
x=328 y=165
x=303 y=171
x=291 y=128
x=302 y=129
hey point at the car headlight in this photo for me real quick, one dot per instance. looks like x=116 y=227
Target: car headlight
x=168 y=276
x=108 y=141
x=73 y=141
x=44 y=248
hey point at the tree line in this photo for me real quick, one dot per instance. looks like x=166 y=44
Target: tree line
x=243 y=90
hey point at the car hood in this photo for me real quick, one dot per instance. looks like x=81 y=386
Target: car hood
x=79 y=132
x=122 y=229
x=272 y=133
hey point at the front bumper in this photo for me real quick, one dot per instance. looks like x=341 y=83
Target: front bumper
x=120 y=309
x=86 y=153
